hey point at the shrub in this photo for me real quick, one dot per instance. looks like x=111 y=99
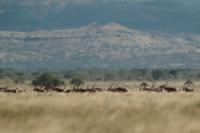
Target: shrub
x=158 y=74
x=47 y=79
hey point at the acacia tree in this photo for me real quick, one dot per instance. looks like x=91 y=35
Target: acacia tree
x=47 y=80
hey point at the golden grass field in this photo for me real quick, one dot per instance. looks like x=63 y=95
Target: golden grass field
x=132 y=112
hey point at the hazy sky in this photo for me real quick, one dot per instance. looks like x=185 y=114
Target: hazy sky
x=168 y=14
x=25 y=3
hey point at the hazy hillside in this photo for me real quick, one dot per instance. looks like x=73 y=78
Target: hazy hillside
x=110 y=45
x=148 y=15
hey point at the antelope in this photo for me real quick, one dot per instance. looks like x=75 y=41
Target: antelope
x=91 y=90
x=21 y=91
x=144 y=85
x=118 y=89
x=110 y=87
x=168 y=89
x=159 y=89
x=186 y=86
x=68 y=91
x=48 y=88
x=11 y=90
x=2 y=89
x=40 y=90
x=188 y=89
x=97 y=89
x=84 y=90
x=80 y=90
x=57 y=89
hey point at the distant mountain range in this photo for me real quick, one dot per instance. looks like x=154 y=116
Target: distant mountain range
x=68 y=34
x=172 y=16
x=98 y=45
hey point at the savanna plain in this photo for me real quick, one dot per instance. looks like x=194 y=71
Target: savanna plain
x=106 y=112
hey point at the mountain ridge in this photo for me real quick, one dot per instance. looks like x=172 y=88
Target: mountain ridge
x=101 y=46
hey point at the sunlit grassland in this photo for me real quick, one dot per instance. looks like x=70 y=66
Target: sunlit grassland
x=132 y=112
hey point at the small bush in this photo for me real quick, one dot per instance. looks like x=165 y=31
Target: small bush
x=47 y=79
x=158 y=74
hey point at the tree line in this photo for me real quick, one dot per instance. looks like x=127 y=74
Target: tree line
x=105 y=74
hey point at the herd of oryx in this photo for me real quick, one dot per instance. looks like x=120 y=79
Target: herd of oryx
x=187 y=87
x=93 y=89
x=47 y=89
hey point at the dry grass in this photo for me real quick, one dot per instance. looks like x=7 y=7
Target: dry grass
x=136 y=112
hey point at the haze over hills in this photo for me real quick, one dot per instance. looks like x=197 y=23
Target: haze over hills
x=104 y=46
